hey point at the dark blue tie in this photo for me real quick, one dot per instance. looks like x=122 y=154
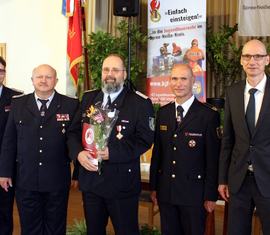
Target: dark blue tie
x=250 y=113
x=108 y=102
x=179 y=117
x=43 y=107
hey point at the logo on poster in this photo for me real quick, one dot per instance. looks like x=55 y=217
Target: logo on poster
x=155 y=16
x=197 y=88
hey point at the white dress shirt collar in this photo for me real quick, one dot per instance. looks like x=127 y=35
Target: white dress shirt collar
x=47 y=104
x=258 y=96
x=113 y=96
x=185 y=105
x=260 y=87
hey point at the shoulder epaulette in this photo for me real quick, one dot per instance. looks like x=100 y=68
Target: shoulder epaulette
x=141 y=95
x=17 y=90
x=210 y=106
x=72 y=97
x=90 y=90
x=163 y=106
x=17 y=96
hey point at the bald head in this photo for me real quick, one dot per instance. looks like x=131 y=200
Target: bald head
x=254 y=66
x=182 y=67
x=44 y=66
x=44 y=80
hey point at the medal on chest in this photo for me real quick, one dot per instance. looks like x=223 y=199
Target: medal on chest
x=119 y=135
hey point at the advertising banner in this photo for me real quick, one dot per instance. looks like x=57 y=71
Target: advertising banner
x=254 y=18
x=177 y=34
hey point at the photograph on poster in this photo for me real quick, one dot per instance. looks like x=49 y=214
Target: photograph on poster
x=162 y=55
x=176 y=36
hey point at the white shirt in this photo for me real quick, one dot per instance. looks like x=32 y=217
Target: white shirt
x=47 y=104
x=113 y=96
x=186 y=105
x=258 y=96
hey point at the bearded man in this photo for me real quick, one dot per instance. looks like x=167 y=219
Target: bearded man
x=115 y=191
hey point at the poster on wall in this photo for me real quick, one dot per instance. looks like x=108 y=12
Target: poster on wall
x=177 y=34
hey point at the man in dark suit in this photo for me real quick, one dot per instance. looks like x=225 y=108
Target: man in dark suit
x=6 y=199
x=115 y=192
x=244 y=169
x=35 y=136
x=184 y=164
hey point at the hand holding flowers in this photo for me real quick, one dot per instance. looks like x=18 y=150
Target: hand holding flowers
x=95 y=136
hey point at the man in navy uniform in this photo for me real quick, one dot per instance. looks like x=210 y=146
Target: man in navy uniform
x=114 y=192
x=184 y=165
x=6 y=199
x=36 y=135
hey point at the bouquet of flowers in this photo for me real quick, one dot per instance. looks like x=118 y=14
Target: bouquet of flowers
x=96 y=133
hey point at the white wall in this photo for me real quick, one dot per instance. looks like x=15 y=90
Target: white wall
x=35 y=32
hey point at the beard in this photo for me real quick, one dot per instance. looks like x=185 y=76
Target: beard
x=111 y=87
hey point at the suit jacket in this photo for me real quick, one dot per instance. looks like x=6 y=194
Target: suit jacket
x=120 y=175
x=238 y=148
x=184 y=165
x=38 y=143
x=5 y=105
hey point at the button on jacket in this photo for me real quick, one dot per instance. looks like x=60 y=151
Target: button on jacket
x=38 y=143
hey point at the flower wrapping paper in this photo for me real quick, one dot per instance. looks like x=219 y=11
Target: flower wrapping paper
x=96 y=133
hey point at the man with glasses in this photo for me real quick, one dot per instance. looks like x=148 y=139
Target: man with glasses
x=244 y=168
x=6 y=198
x=115 y=192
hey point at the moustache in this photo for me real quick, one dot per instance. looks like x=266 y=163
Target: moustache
x=110 y=77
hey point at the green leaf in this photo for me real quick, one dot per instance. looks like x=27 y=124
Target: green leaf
x=102 y=44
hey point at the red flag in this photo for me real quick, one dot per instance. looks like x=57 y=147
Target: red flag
x=74 y=42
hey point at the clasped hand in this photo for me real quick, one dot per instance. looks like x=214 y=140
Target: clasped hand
x=84 y=159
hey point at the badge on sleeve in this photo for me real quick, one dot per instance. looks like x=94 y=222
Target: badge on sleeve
x=151 y=124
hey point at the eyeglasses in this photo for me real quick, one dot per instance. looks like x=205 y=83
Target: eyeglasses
x=114 y=70
x=256 y=57
x=2 y=71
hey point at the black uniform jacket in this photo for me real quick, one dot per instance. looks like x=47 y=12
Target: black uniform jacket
x=38 y=143
x=120 y=175
x=184 y=165
x=239 y=148
x=5 y=105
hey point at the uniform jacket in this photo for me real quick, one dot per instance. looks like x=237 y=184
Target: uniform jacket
x=120 y=175
x=184 y=165
x=38 y=143
x=238 y=148
x=5 y=105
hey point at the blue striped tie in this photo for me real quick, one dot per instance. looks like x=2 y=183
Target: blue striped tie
x=43 y=107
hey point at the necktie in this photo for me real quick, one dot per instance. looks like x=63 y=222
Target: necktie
x=43 y=107
x=250 y=113
x=179 y=117
x=108 y=102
